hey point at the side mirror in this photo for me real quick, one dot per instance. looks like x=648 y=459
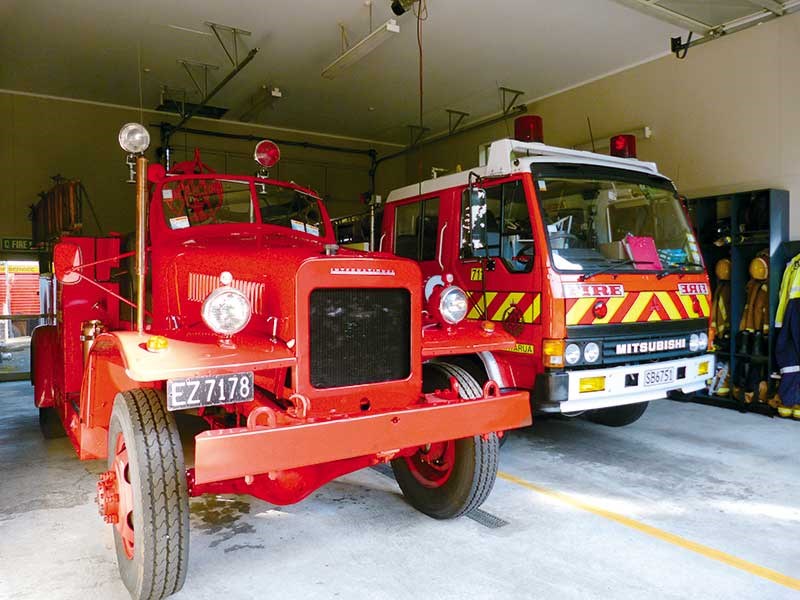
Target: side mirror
x=477 y=215
x=67 y=259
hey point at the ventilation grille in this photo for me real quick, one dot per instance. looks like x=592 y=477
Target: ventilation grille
x=200 y=286
x=359 y=336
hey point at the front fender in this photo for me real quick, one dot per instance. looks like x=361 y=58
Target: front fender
x=44 y=364
x=191 y=359
x=468 y=337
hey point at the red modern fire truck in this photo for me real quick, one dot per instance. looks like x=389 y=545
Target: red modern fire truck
x=304 y=361
x=588 y=260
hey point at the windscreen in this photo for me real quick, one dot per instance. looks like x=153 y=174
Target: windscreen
x=602 y=222
x=211 y=201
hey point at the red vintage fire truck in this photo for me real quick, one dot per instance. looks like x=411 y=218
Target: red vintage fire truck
x=588 y=260
x=305 y=362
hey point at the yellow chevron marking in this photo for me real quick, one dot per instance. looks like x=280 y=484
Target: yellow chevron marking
x=687 y=304
x=477 y=310
x=635 y=311
x=669 y=305
x=654 y=316
x=534 y=310
x=613 y=305
x=578 y=310
x=512 y=298
x=704 y=305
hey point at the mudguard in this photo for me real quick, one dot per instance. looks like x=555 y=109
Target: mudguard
x=44 y=351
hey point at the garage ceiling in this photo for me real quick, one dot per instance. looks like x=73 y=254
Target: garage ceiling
x=90 y=50
x=713 y=17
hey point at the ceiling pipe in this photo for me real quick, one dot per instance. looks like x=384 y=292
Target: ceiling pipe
x=245 y=61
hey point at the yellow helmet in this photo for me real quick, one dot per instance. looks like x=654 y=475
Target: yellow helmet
x=759 y=268
x=723 y=269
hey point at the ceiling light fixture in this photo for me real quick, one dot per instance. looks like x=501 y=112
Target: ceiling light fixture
x=361 y=49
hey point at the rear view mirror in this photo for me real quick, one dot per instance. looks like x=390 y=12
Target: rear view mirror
x=477 y=213
x=67 y=260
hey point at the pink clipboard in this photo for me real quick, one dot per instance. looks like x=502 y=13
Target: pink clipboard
x=643 y=252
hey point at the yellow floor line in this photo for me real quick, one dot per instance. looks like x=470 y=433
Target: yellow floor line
x=665 y=536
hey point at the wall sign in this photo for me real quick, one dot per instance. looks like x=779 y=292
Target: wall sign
x=18 y=245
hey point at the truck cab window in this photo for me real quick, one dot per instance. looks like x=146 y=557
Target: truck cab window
x=508 y=227
x=415 y=229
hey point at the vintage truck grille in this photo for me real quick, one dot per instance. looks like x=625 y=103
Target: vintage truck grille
x=201 y=285
x=359 y=336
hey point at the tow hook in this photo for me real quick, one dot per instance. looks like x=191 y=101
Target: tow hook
x=107 y=498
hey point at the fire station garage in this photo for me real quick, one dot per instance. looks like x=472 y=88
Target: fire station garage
x=400 y=299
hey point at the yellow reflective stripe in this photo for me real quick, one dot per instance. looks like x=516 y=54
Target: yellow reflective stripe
x=641 y=303
x=612 y=305
x=512 y=298
x=654 y=316
x=669 y=305
x=477 y=310
x=687 y=304
x=704 y=310
x=579 y=309
x=534 y=310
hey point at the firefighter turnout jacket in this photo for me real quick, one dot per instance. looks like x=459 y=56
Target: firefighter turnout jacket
x=787 y=347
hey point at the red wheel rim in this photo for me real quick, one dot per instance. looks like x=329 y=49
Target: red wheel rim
x=124 y=521
x=433 y=464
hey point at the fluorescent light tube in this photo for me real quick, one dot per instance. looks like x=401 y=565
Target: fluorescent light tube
x=361 y=49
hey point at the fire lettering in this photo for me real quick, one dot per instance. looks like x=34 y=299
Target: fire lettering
x=593 y=290
x=691 y=289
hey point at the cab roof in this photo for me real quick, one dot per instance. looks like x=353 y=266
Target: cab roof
x=508 y=156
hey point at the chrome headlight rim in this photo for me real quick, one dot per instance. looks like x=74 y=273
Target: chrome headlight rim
x=134 y=138
x=572 y=354
x=703 y=340
x=453 y=305
x=591 y=352
x=213 y=298
x=694 y=342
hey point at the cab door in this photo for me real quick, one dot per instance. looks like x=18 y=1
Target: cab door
x=416 y=232
x=504 y=278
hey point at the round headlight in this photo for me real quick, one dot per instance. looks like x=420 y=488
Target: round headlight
x=134 y=138
x=694 y=342
x=453 y=305
x=703 y=340
x=572 y=353
x=591 y=352
x=226 y=311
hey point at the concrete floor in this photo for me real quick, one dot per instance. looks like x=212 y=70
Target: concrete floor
x=716 y=477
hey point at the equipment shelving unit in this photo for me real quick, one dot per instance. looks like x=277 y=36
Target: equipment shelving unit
x=745 y=242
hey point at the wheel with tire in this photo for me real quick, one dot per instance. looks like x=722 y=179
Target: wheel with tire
x=617 y=416
x=50 y=424
x=144 y=495
x=447 y=479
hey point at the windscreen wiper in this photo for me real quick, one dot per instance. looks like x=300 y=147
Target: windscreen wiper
x=617 y=263
x=678 y=268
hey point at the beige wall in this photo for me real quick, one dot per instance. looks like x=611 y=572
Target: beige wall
x=41 y=137
x=727 y=118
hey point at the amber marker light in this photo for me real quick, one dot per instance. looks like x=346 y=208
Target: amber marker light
x=553 y=353
x=157 y=343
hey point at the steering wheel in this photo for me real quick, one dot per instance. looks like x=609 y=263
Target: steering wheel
x=563 y=235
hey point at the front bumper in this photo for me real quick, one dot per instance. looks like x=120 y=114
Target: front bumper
x=559 y=392
x=224 y=454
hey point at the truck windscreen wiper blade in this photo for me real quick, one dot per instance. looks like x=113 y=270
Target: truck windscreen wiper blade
x=678 y=268
x=606 y=269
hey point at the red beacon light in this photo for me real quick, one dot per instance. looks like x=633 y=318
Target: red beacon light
x=529 y=128
x=267 y=153
x=623 y=146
